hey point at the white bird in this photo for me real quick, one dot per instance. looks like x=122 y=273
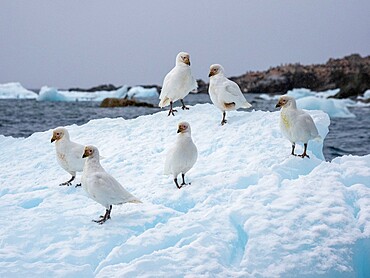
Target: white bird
x=182 y=156
x=295 y=124
x=178 y=83
x=224 y=93
x=69 y=154
x=101 y=186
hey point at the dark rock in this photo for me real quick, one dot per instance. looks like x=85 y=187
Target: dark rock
x=104 y=87
x=350 y=74
x=202 y=86
x=122 y=102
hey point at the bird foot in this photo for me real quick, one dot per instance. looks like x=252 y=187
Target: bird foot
x=185 y=184
x=172 y=112
x=67 y=183
x=102 y=219
x=303 y=155
x=185 y=108
x=78 y=185
x=223 y=122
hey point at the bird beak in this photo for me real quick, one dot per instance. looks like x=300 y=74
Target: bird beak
x=278 y=105
x=86 y=154
x=210 y=74
x=180 y=129
x=52 y=139
x=187 y=61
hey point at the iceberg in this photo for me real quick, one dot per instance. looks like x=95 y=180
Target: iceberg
x=15 y=91
x=335 y=108
x=310 y=100
x=52 y=94
x=366 y=95
x=140 y=92
x=303 y=92
x=251 y=210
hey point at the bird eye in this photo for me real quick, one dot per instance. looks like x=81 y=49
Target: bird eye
x=57 y=133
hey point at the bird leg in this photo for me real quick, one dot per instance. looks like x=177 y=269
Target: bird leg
x=183 y=105
x=68 y=183
x=171 y=110
x=183 y=180
x=177 y=184
x=293 y=147
x=304 y=154
x=105 y=217
x=224 y=121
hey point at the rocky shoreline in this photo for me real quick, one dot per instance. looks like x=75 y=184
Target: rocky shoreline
x=350 y=74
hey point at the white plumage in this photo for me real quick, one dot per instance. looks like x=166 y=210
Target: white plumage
x=182 y=156
x=101 y=186
x=69 y=154
x=224 y=93
x=178 y=83
x=295 y=124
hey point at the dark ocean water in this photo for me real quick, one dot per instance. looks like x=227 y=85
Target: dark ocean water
x=21 y=118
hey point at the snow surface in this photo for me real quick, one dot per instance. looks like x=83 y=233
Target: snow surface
x=15 y=91
x=252 y=210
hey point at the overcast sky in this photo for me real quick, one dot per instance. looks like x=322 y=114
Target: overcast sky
x=73 y=43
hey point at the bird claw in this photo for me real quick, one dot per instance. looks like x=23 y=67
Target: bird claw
x=67 y=183
x=304 y=155
x=185 y=108
x=78 y=185
x=100 y=222
x=172 y=112
x=102 y=219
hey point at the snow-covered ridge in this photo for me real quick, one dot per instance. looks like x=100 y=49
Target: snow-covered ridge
x=251 y=210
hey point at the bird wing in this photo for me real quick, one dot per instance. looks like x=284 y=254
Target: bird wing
x=309 y=125
x=75 y=160
x=167 y=83
x=106 y=190
x=168 y=161
x=178 y=83
x=77 y=150
x=232 y=93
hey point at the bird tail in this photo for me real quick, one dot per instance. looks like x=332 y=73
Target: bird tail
x=246 y=105
x=164 y=102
